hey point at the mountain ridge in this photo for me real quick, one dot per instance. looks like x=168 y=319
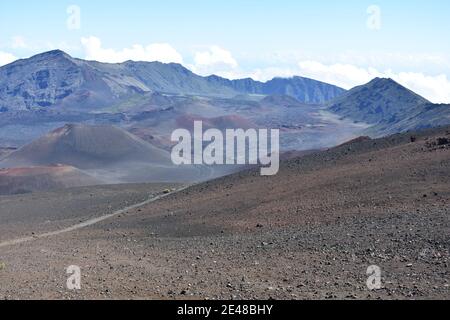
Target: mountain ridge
x=380 y=100
x=55 y=79
x=295 y=86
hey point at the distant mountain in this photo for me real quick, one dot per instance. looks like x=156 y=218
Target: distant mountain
x=380 y=100
x=106 y=153
x=4 y=151
x=55 y=79
x=423 y=116
x=86 y=147
x=389 y=108
x=303 y=89
x=152 y=99
x=281 y=100
x=25 y=180
x=221 y=123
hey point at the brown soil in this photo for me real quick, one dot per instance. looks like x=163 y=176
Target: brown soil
x=309 y=232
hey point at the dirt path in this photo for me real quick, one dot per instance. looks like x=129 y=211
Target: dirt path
x=89 y=222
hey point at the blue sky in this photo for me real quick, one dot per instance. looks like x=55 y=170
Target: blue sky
x=343 y=42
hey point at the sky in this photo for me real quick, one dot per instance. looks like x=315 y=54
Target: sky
x=346 y=43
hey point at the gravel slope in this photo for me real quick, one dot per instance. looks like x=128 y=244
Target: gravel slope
x=308 y=233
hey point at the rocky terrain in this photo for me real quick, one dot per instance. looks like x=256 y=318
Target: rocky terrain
x=308 y=233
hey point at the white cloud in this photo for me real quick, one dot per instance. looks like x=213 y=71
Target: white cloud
x=343 y=75
x=434 y=88
x=6 y=58
x=269 y=73
x=162 y=52
x=215 y=60
x=215 y=55
x=416 y=62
